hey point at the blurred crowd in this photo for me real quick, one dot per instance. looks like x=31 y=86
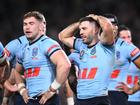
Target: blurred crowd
x=60 y=13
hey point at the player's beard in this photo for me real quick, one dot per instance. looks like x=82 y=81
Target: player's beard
x=30 y=39
x=89 y=39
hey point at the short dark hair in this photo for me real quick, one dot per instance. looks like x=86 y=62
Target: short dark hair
x=90 y=19
x=123 y=27
x=36 y=14
x=112 y=18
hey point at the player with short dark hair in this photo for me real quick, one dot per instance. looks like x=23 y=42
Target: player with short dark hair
x=124 y=54
x=45 y=64
x=96 y=52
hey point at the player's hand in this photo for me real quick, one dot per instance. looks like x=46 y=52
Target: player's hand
x=25 y=96
x=123 y=87
x=93 y=16
x=46 y=96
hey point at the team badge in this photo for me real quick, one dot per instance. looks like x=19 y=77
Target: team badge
x=82 y=54
x=93 y=51
x=34 y=51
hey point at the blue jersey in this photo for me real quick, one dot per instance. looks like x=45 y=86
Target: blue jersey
x=39 y=70
x=13 y=47
x=95 y=67
x=124 y=54
x=74 y=57
x=132 y=79
x=2 y=54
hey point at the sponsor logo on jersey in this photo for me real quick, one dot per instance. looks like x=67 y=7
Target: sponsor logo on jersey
x=82 y=54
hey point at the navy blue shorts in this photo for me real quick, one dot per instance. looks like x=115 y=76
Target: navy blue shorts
x=133 y=103
x=18 y=100
x=103 y=100
x=52 y=101
x=118 y=98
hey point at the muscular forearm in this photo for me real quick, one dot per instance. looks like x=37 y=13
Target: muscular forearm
x=67 y=35
x=107 y=30
x=62 y=74
x=106 y=36
x=18 y=77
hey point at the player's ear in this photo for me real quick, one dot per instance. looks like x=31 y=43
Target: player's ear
x=41 y=26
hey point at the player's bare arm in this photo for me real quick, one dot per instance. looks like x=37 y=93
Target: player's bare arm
x=20 y=83
x=67 y=35
x=62 y=71
x=107 y=35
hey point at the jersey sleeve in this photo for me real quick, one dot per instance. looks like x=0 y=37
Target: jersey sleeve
x=132 y=51
x=73 y=57
x=10 y=49
x=51 y=46
x=77 y=43
x=19 y=56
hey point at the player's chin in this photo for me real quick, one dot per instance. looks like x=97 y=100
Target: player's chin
x=85 y=42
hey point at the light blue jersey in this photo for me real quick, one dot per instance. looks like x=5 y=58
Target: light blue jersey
x=39 y=70
x=124 y=54
x=132 y=78
x=13 y=47
x=2 y=54
x=95 y=67
x=74 y=57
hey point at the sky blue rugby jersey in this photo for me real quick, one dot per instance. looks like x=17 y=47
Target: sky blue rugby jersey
x=132 y=78
x=13 y=47
x=39 y=70
x=95 y=67
x=124 y=54
x=74 y=57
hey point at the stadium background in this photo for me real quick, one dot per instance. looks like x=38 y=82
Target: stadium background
x=60 y=13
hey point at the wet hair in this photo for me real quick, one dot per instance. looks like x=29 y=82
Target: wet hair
x=36 y=14
x=90 y=19
x=112 y=18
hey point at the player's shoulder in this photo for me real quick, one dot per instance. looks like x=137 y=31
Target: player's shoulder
x=79 y=39
x=12 y=42
x=22 y=39
x=47 y=40
x=122 y=42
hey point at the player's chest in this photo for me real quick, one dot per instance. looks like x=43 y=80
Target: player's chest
x=88 y=54
x=33 y=54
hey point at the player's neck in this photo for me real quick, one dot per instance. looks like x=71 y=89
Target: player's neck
x=35 y=40
x=92 y=43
